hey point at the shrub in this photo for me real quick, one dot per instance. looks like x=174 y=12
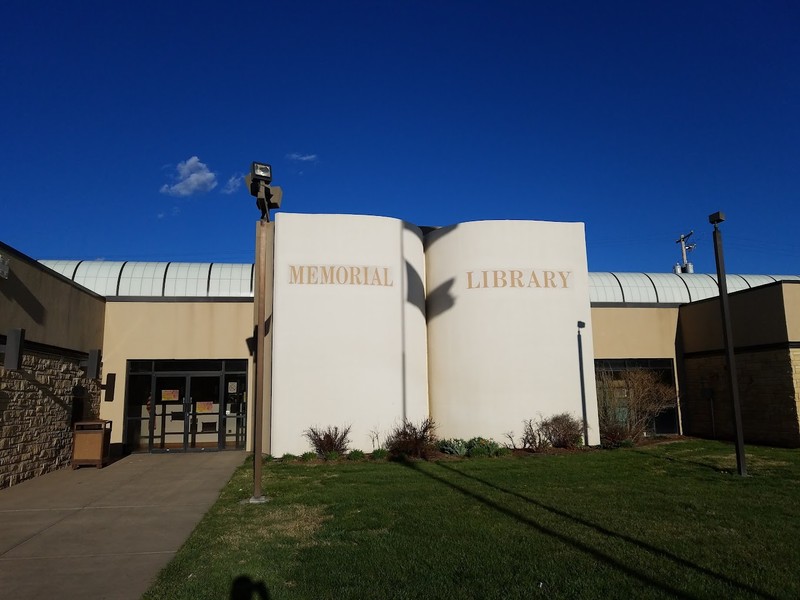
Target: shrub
x=412 y=441
x=478 y=447
x=355 y=455
x=330 y=439
x=288 y=457
x=332 y=455
x=454 y=446
x=267 y=458
x=614 y=435
x=379 y=454
x=562 y=431
x=307 y=456
x=628 y=402
x=533 y=437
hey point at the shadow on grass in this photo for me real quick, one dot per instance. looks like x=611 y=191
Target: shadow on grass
x=576 y=543
x=244 y=588
x=685 y=461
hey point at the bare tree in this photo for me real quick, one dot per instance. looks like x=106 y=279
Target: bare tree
x=629 y=402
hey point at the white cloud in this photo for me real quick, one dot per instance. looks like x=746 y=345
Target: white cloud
x=193 y=177
x=296 y=156
x=233 y=183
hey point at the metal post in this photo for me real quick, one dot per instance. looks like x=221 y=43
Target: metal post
x=741 y=464
x=260 y=318
x=581 y=325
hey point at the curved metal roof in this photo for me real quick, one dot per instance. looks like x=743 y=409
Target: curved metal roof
x=223 y=280
x=158 y=279
x=668 y=288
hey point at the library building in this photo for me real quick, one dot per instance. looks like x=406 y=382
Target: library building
x=371 y=321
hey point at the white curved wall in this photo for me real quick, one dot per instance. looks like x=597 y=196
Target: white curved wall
x=504 y=299
x=349 y=337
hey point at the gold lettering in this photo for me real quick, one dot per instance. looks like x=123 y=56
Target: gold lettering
x=312 y=275
x=564 y=275
x=365 y=273
x=326 y=275
x=516 y=279
x=534 y=281
x=485 y=278
x=470 y=285
x=341 y=275
x=376 y=278
x=295 y=274
x=500 y=279
x=355 y=276
x=549 y=279
x=386 y=280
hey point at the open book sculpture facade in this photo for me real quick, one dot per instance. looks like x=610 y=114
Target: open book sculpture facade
x=473 y=325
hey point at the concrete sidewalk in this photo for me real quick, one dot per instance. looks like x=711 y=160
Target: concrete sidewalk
x=105 y=533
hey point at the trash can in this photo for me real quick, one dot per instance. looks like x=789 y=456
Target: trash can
x=91 y=443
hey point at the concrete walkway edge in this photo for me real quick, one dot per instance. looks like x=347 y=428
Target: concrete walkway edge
x=105 y=533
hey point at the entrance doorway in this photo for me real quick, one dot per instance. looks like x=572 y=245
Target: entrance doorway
x=186 y=405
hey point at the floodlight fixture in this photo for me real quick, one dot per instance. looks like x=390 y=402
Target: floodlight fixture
x=258 y=182
x=261 y=172
x=581 y=324
x=717 y=218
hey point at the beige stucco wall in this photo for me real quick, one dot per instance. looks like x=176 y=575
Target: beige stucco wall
x=791 y=304
x=349 y=345
x=170 y=330
x=51 y=309
x=765 y=322
x=504 y=301
x=758 y=317
x=623 y=332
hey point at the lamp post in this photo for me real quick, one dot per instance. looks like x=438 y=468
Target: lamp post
x=581 y=325
x=267 y=197
x=715 y=219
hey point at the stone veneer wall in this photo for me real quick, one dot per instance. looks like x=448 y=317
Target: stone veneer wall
x=769 y=388
x=36 y=412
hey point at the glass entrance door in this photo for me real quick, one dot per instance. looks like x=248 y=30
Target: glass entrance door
x=168 y=423
x=180 y=405
x=186 y=421
x=202 y=425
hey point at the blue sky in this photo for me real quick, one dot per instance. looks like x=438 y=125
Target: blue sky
x=126 y=127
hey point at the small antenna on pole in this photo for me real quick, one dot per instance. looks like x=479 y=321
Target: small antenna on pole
x=685 y=266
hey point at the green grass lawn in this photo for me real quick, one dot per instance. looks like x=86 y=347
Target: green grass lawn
x=668 y=520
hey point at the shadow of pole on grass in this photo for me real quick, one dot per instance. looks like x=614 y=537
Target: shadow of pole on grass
x=244 y=588
x=579 y=545
x=697 y=463
x=660 y=553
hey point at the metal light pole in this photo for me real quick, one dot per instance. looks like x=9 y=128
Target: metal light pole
x=716 y=219
x=581 y=325
x=266 y=198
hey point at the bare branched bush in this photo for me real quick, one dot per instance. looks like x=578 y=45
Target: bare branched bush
x=412 y=441
x=562 y=431
x=628 y=402
x=558 y=431
x=532 y=436
x=375 y=438
x=330 y=439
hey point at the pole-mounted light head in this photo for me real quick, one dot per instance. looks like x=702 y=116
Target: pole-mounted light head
x=261 y=172
x=716 y=218
x=581 y=324
x=258 y=182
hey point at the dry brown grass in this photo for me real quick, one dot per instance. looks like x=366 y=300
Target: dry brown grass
x=295 y=524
